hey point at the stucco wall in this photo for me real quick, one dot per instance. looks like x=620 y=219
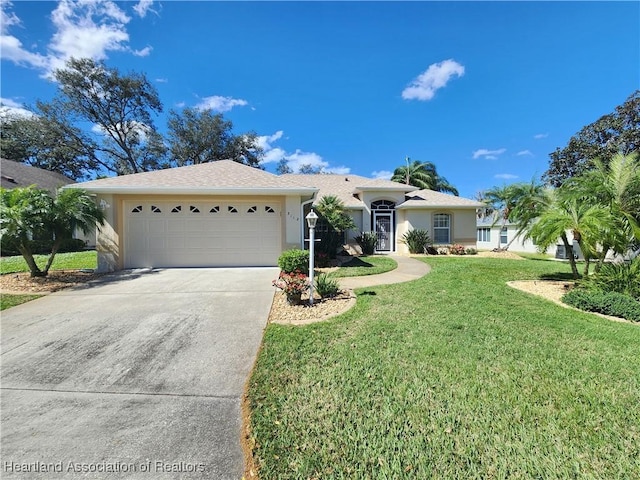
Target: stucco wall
x=108 y=240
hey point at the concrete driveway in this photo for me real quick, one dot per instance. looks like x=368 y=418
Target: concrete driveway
x=139 y=376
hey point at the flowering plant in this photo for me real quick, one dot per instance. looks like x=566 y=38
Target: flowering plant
x=294 y=283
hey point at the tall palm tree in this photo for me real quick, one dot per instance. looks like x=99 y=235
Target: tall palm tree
x=424 y=176
x=25 y=211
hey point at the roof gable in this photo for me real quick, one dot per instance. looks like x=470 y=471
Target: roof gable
x=431 y=198
x=345 y=186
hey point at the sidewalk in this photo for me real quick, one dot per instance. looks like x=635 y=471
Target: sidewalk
x=408 y=269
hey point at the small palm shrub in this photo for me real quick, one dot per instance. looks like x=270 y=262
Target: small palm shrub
x=416 y=240
x=294 y=260
x=457 y=249
x=471 y=251
x=326 y=285
x=367 y=242
x=618 y=277
x=608 y=303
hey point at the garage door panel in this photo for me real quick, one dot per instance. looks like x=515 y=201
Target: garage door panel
x=203 y=233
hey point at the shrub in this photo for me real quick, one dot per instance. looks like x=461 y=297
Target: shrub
x=443 y=251
x=417 y=240
x=457 y=249
x=326 y=285
x=471 y=251
x=608 y=303
x=367 y=242
x=294 y=260
x=618 y=277
x=321 y=260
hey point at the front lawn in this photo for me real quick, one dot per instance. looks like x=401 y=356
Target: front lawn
x=366 y=265
x=455 y=375
x=62 y=261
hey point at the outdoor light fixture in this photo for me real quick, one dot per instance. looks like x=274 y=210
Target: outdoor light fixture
x=312 y=219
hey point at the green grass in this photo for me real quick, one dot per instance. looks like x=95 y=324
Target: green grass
x=10 y=300
x=62 y=261
x=366 y=265
x=455 y=375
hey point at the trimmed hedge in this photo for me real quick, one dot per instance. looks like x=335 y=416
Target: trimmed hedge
x=608 y=303
x=294 y=260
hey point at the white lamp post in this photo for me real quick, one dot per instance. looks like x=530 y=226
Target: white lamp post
x=312 y=219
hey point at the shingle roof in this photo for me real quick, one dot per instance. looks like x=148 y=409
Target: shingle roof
x=212 y=177
x=344 y=186
x=430 y=198
x=16 y=175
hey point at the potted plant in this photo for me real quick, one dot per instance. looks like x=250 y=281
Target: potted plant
x=293 y=285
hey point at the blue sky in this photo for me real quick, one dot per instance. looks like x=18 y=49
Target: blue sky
x=485 y=90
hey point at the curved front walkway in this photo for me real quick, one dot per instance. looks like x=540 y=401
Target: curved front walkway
x=408 y=269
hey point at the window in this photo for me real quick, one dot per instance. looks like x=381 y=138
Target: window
x=441 y=228
x=194 y=209
x=252 y=209
x=176 y=209
x=215 y=209
x=137 y=209
x=503 y=236
x=269 y=209
x=484 y=234
x=232 y=209
x=383 y=205
x=155 y=209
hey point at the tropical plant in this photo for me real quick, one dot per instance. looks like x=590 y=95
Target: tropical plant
x=367 y=242
x=416 y=240
x=422 y=175
x=457 y=249
x=294 y=260
x=332 y=223
x=28 y=213
x=326 y=285
x=293 y=285
x=622 y=277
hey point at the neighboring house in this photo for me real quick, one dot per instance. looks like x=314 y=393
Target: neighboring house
x=20 y=175
x=492 y=234
x=224 y=213
x=16 y=175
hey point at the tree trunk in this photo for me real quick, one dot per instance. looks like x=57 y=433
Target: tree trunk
x=587 y=263
x=572 y=261
x=31 y=263
x=605 y=251
x=54 y=250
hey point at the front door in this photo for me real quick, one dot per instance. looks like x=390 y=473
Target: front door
x=384 y=232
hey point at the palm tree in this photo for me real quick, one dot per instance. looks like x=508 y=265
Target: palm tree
x=424 y=176
x=563 y=212
x=500 y=201
x=28 y=211
x=333 y=215
x=615 y=186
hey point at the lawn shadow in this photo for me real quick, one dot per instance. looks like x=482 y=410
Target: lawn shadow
x=561 y=276
x=357 y=262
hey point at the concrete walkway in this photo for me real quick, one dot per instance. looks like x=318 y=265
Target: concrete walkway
x=408 y=269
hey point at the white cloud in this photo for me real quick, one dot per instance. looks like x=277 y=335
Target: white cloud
x=488 y=154
x=437 y=76
x=162 y=80
x=82 y=29
x=296 y=159
x=220 y=104
x=145 y=52
x=142 y=7
x=538 y=136
x=11 y=108
x=505 y=176
x=382 y=174
x=525 y=152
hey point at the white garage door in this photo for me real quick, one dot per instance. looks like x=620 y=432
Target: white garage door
x=202 y=234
